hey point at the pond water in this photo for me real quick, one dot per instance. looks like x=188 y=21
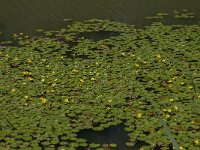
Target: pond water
x=113 y=134
x=26 y=15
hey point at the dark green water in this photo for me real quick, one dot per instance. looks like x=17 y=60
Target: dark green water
x=27 y=15
x=113 y=134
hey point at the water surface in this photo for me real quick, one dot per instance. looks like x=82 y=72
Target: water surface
x=27 y=15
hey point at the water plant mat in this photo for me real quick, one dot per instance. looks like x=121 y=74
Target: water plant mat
x=96 y=74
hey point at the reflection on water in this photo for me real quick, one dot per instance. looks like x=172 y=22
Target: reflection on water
x=28 y=15
x=113 y=134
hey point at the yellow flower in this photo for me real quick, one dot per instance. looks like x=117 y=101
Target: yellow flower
x=169 y=81
x=53 y=73
x=196 y=141
x=92 y=79
x=53 y=84
x=164 y=110
x=190 y=87
x=74 y=70
x=21 y=33
x=43 y=100
x=132 y=55
x=158 y=56
x=30 y=78
x=16 y=58
x=26 y=73
x=175 y=107
x=26 y=97
x=170 y=85
x=175 y=77
x=171 y=100
x=81 y=80
x=13 y=90
x=138 y=115
x=167 y=116
x=169 y=110
x=66 y=100
x=137 y=65
x=29 y=60
x=108 y=108
x=110 y=100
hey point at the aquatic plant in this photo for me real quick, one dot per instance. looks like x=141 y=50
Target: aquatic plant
x=56 y=85
x=184 y=14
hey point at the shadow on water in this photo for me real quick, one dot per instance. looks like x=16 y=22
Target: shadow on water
x=113 y=134
x=94 y=36
x=99 y=35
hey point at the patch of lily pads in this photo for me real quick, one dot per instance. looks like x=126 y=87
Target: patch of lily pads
x=53 y=86
x=183 y=14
